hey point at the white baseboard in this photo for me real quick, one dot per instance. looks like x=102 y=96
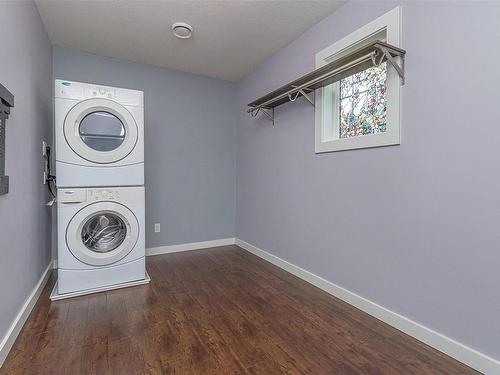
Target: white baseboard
x=454 y=349
x=188 y=246
x=182 y=247
x=14 y=329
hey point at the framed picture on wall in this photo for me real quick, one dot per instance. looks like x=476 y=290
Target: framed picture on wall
x=6 y=102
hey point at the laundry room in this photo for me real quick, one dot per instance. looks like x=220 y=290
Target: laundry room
x=249 y=187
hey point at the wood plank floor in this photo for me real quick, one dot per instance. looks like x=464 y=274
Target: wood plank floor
x=215 y=311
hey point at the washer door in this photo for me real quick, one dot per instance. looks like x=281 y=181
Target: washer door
x=100 y=130
x=102 y=233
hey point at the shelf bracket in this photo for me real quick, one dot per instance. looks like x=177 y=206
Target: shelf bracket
x=269 y=113
x=392 y=61
x=304 y=94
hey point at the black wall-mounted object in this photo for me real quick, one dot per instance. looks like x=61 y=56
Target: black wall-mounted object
x=6 y=102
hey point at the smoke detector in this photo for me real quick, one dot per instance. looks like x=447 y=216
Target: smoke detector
x=182 y=30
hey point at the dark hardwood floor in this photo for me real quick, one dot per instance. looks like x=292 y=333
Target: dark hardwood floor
x=216 y=311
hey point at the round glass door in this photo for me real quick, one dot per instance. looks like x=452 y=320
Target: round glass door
x=104 y=232
x=102 y=131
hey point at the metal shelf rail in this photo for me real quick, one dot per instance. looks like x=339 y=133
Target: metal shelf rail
x=361 y=59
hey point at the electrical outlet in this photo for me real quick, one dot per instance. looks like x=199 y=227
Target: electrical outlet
x=44 y=148
x=157 y=227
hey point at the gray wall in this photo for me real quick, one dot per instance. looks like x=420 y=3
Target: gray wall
x=413 y=227
x=189 y=144
x=26 y=70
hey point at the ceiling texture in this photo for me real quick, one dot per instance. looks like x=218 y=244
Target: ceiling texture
x=230 y=37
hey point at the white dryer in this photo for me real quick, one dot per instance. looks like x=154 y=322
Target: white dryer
x=99 y=134
x=101 y=241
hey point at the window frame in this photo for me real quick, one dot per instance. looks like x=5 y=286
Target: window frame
x=385 y=28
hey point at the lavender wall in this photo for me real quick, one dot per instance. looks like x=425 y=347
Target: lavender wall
x=26 y=70
x=189 y=144
x=414 y=227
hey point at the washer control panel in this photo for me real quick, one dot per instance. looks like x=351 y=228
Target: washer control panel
x=103 y=194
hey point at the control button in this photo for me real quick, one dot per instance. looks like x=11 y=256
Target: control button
x=102 y=91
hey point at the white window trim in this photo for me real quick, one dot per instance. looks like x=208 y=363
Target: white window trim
x=390 y=23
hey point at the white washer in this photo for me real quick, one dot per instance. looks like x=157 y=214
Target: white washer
x=100 y=237
x=99 y=134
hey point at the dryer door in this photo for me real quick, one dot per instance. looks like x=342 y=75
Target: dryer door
x=102 y=233
x=100 y=130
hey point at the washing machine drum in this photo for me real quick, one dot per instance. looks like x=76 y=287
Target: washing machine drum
x=102 y=233
x=100 y=131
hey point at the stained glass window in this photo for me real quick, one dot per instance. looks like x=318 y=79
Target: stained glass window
x=363 y=103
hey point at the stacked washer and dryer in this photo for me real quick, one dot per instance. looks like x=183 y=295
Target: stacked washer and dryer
x=99 y=135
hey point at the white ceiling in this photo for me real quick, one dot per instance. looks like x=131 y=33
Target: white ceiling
x=230 y=37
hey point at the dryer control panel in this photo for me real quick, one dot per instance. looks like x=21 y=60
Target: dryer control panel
x=101 y=92
x=83 y=91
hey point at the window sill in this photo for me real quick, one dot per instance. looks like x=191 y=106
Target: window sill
x=355 y=143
